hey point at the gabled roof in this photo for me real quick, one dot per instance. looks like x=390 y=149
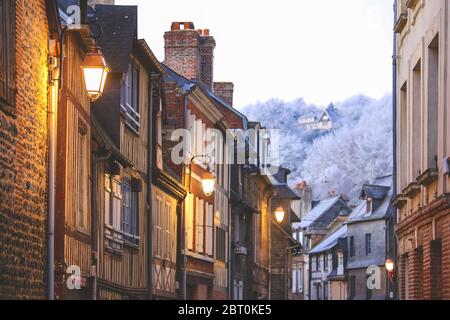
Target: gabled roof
x=143 y=45
x=188 y=85
x=119 y=24
x=318 y=211
x=331 y=241
x=227 y=106
x=330 y=111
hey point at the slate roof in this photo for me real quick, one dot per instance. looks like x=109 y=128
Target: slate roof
x=332 y=113
x=382 y=208
x=331 y=241
x=119 y=24
x=374 y=191
x=279 y=183
x=318 y=211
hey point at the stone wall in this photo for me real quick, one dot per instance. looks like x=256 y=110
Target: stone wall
x=23 y=162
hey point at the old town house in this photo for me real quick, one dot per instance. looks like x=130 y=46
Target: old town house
x=192 y=105
x=423 y=149
x=121 y=163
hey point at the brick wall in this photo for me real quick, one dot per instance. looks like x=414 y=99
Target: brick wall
x=428 y=264
x=23 y=162
x=225 y=91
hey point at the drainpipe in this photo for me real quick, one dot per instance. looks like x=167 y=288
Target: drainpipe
x=392 y=245
x=149 y=188
x=183 y=233
x=53 y=110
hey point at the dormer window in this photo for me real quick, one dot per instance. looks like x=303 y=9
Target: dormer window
x=129 y=98
x=369 y=205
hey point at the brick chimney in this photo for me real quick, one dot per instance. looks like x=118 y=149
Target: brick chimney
x=207 y=46
x=190 y=52
x=225 y=91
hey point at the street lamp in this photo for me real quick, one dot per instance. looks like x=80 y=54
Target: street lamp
x=95 y=72
x=208 y=182
x=390 y=265
x=279 y=215
x=208 y=179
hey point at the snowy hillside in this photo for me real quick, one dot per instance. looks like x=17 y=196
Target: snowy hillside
x=341 y=160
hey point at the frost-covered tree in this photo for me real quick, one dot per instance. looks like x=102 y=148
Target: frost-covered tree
x=340 y=161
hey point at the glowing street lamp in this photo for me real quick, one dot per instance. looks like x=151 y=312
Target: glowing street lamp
x=279 y=214
x=390 y=265
x=208 y=182
x=95 y=72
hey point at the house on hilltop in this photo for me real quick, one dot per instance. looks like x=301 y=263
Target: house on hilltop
x=324 y=120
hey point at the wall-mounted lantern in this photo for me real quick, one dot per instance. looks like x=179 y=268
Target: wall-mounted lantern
x=95 y=71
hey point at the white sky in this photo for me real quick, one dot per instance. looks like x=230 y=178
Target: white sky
x=321 y=50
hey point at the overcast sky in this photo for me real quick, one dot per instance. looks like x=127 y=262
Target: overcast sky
x=321 y=50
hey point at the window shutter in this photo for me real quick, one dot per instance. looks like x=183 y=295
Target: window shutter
x=190 y=221
x=12 y=52
x=294 y=280
x=3 y=64
x=200 y=226
x=8 y=51
x=209 y=230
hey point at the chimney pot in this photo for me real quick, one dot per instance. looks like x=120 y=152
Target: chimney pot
x=206 y=32
x=175 y=26
x=200 y=31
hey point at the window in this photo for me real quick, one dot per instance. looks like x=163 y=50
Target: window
x=82 y=179
x=368 y=291
x=403 y=114
x=113 y=214
x=415 y=134
x=130 y=213
x=314 y=264
x=406 y=278
x=369 y=205
x=164 y=227
x=325 y=291
x=238 y=289
x=368 y=244
x=433 y=103
x=221 y=238
x=7 y=52
x=297 y=279
x=158 y=225
x=129 y=98
x=352 y=246
x=317 y=263
x=352 y=288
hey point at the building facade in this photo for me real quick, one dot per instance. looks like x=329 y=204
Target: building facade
x=423 y=147
x=122 y=198
x=192 y=105
x=368 y=244
x=24 y=146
